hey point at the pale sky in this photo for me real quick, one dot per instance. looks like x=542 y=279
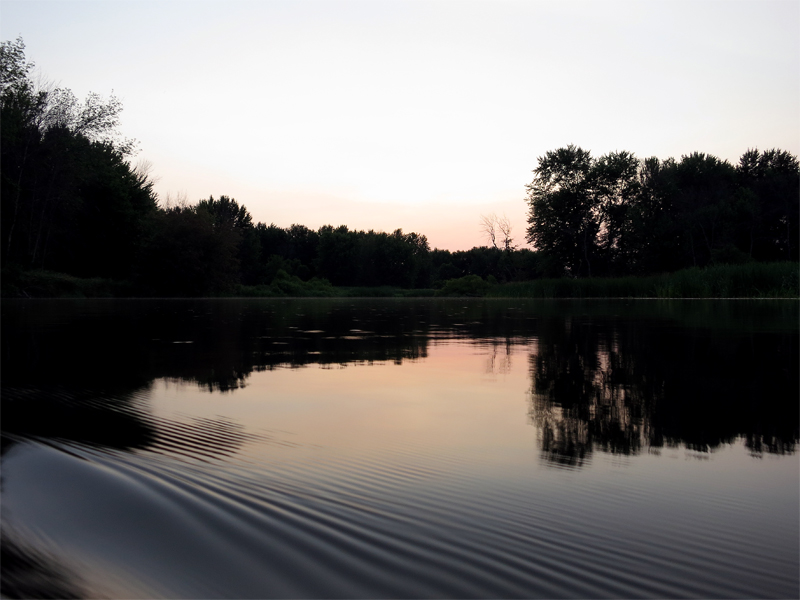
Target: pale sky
x=416 y=115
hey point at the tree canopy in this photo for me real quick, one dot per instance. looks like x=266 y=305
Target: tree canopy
x=617 y=214
x=74 y=203
x=71 y=200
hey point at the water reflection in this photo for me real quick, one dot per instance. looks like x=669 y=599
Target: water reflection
x=693 y=374
x=413 y=473
x=621 y=386
x=30 y=572
x=88 y=417
x=121 y=422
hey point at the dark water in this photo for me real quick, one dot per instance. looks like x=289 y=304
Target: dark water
x=321 y=448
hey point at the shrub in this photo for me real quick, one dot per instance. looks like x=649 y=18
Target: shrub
x=748 y=280
x=469 y=285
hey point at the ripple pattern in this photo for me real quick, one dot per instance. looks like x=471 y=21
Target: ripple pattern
x=403 y=523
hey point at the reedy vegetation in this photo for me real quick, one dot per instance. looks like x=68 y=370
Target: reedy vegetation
x=78 y=218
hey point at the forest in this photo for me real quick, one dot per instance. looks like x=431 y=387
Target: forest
x=75 y=205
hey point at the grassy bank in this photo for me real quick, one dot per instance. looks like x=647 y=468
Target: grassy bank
x=47 y=284
x=17 y=283
x=288 y=285
x=753 y=280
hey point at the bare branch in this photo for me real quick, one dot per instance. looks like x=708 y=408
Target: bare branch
x=504 y=225
x=180 y=200
x=489 y=228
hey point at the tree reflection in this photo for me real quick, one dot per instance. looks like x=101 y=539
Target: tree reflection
x=80 y=372
x=621 y=386
x=119 y=421
x=89 y=417
x=587 y=394
x=693 y=373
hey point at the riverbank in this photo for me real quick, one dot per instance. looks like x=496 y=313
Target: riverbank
x=752 y=280
x=49 y=284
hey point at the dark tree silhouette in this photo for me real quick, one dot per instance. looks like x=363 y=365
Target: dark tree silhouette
x=563 y=218
x=616 y=215
x=71 y=200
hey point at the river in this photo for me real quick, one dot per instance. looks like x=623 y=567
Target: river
x=400 y=448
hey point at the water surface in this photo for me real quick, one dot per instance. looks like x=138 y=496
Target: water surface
x=400 y=448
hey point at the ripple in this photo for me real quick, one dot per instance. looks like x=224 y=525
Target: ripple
x=401 y=523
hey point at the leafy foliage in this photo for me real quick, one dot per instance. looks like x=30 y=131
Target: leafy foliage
x=618 y=215
x=74 y=205
x=566 y=222
x=470 y=285
x=71 y=201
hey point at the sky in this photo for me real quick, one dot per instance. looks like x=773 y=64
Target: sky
x=419 y=115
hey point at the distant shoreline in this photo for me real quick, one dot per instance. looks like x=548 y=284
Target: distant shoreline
x=780 y=280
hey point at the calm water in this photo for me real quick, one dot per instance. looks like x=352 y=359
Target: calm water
x=425 y=448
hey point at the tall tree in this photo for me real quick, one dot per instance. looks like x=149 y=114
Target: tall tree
x=337 y=255
x=70 y=198
x=769 y=183
x=703 y=204
x=234 y=222
x=189 y=254
x=563 y=212
x=615 y=186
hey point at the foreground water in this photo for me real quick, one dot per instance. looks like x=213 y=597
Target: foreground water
x=425 y=448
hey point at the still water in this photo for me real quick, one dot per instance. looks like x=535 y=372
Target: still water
x=400 y=448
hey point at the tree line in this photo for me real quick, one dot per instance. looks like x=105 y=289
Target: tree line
x=618 y=215
x=73 y=202
x=213 y=247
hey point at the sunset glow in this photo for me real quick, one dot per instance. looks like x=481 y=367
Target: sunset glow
x=416 y=115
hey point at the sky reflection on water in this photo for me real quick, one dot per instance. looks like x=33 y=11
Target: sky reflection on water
x=324 y=448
